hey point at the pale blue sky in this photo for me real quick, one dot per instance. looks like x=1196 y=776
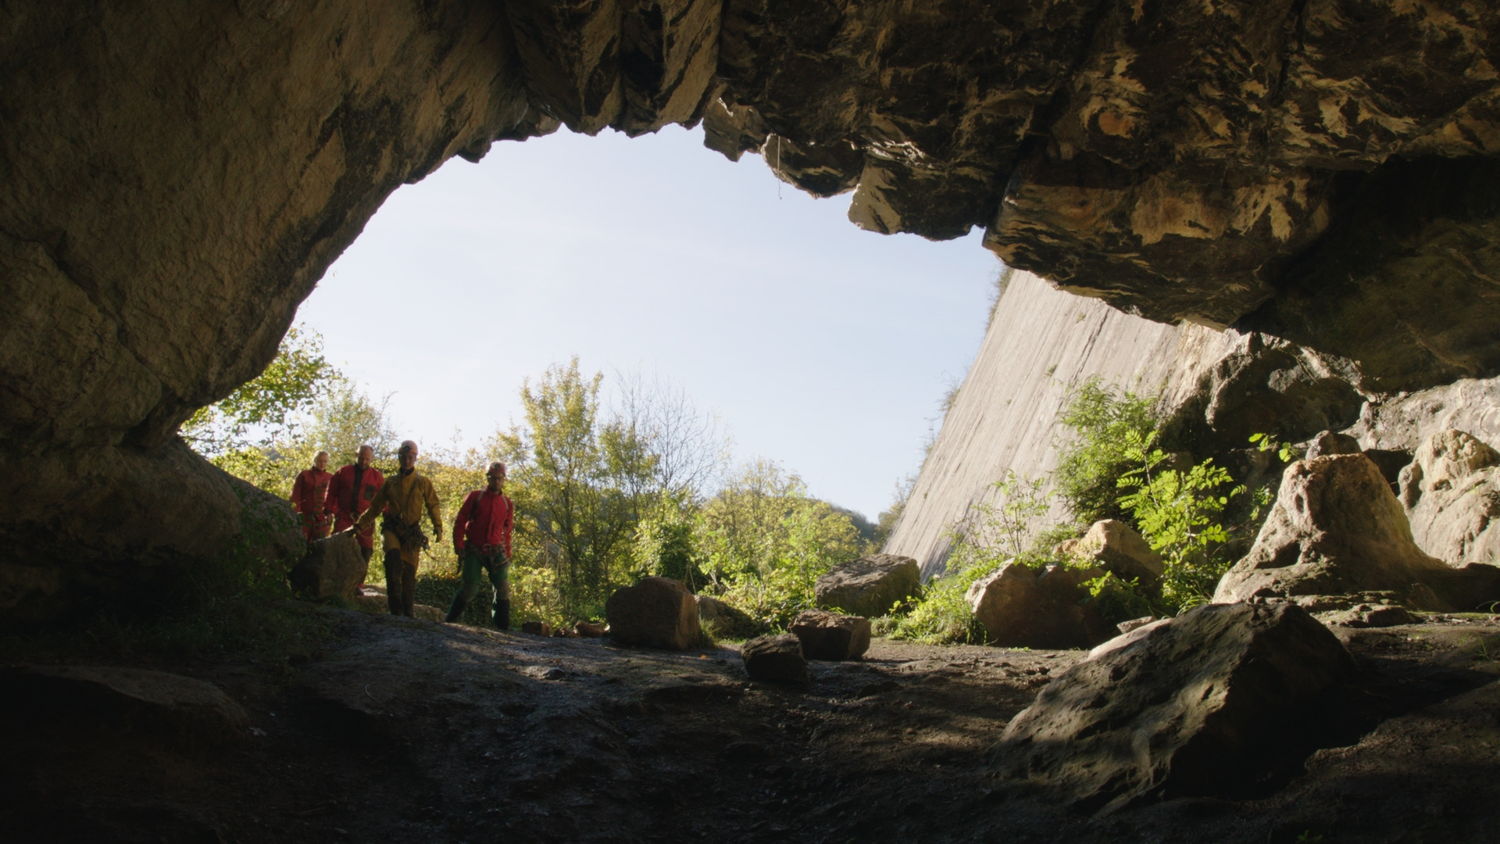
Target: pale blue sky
x=820 y=346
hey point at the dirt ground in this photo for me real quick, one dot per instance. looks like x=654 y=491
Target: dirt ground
x=410 y=730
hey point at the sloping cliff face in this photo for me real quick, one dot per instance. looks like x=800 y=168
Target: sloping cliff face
x=1040 y=345
x=180 y=174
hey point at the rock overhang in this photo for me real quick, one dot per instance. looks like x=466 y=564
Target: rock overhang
x=180 y=177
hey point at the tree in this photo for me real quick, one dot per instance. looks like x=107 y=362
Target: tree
x=266 y=408
x=580 y=482
x=345 y=418
x=765 y=542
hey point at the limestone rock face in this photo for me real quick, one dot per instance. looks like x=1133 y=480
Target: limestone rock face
x=1212 y=702
x=184 y=175
x=657 y=612
x=1452 y=491
x=1335 y=529
x=869 y=586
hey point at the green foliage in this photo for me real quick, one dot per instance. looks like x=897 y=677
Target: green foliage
x=1120 y=600
x=991 y=535
x=269 y=403
x=1285 y=452
x=1101 y=419
x=1180 y=514
x=765 y=543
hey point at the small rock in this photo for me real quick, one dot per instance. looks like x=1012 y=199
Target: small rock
x=830 y=636
x=776 y=659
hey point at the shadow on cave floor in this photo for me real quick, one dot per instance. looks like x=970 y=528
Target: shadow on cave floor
x=403 y=730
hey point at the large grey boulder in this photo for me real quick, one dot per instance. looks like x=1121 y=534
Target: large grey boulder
x=1116 y=547
x=1451 y=491
x=869 y=586
x=1336 y=529
x=1024 y=607
x=1212 y=702
x=831 y=636
x=657 y=612
x=332 y=568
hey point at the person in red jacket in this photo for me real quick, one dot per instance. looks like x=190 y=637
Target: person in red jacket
x=349 y=494
x=310 y=497
x=481 y=536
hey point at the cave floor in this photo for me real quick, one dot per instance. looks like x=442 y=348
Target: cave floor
x=409 y=730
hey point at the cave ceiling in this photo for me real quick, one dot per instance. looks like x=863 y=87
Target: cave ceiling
x=180 y=174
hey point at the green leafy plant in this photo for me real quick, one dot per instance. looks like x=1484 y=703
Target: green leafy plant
x=1180 y=514
x=1101 y=418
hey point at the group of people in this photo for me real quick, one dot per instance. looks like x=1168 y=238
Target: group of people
x=354 y=496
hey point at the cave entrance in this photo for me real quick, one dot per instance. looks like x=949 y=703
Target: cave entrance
x=823 y=347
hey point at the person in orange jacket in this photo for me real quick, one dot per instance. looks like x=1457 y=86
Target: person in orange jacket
x=310 y=497
x=401 y=501
x=481 y=537
x=349 y=495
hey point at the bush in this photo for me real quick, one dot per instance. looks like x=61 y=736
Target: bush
x=1102 y=418
x=1180 y=514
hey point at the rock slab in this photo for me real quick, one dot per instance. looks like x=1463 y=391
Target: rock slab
x=1215 y=702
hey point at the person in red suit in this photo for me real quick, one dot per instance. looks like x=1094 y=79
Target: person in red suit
x=310 y=497
x=481 y=536
x=349 y=495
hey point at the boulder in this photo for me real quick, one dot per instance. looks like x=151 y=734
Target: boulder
x=726 y=620
x=830 y=636
x=165 y=708
x=1451 y=492
x=536 y=628
x=776 y=659
x=1020 y=606
x=869 y=586
x=332 y=568
x=657 y=612
x=1335 y=529
x=1115 y=547
x=1328 y=442
x=1217 y=701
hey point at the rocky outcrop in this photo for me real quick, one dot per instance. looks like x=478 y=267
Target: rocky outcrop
x=1336 y=529
x=656 y=612
x=1217 y=701
x=184 y=176
x=868 y=586
x=1451 y=490
x=1024 y=607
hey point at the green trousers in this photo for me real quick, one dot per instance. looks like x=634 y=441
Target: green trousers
x=473 y=563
